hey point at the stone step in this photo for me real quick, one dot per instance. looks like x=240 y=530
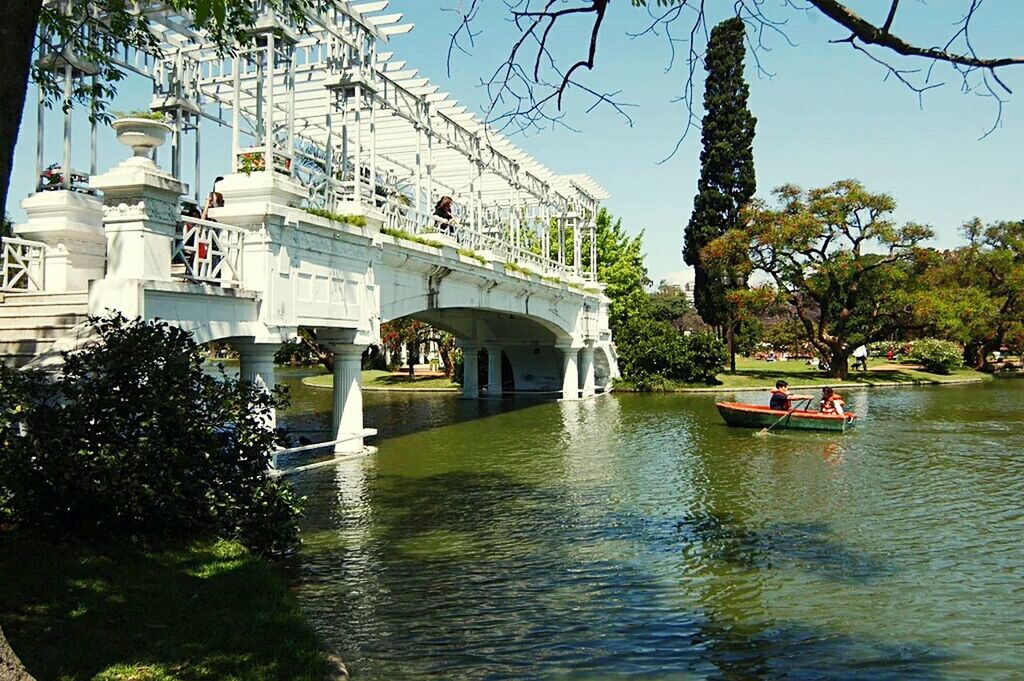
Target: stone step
x=79 y=297
x=17 y=360
x=24 y=346
x=57 y=321
x=52 y=308
x=29 y=328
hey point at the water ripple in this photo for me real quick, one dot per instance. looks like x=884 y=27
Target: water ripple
x=635 y=537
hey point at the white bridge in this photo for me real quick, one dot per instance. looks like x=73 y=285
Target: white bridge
x=337 y=153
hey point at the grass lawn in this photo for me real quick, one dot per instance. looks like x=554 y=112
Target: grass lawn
x=381 y=380
x=208 y=611
x=759 y=374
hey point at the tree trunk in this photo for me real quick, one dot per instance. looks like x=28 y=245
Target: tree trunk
x=17 y=34
x=11 y=668
x=325 y=356
x=839 y=364
x=732 y=346
x=413 y=350
x=973 y=355
x=446 y=359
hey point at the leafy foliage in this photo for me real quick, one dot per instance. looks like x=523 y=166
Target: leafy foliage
x=357 y=220
x=142 y=113
x=835 y=257
x=652 y=352
x=97 y=31
x=974 y=295
x=135 y=439
x=651 y=349
x=412 y=334
x=937 y=356
x=727 y=178
x=402 y=234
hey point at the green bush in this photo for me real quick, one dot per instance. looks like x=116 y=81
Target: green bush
x=937 y=356
x=704 y=357
x=134 y=439
x=355 y=220
x=653 y=352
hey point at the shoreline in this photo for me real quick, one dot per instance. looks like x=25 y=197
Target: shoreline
x=916 y=383
x=311 y=382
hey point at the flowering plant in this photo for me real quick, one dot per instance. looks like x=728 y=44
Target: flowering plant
x=251 y=161
x=53 y=177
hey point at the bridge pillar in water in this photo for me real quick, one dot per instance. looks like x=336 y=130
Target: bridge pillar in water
x=256 y=365
x=470 y=369
x=587 y=379
x=570 y=373
x=347 y=421
x=493 y=368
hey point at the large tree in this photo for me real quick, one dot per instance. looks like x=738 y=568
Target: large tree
x=37 y=37
x=975 y=294
x=726 y=170
x=836 y=257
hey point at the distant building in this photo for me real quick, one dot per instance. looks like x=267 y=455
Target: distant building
x=666 y=287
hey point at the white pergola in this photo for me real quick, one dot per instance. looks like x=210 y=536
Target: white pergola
x=365 y=132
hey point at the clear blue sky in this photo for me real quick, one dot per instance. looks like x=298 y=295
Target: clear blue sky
x=825 y=114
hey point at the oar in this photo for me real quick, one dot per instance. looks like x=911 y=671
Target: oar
x=764 y=431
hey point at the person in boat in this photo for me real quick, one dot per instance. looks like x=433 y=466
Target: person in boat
x=831 y=403
x=782 y=399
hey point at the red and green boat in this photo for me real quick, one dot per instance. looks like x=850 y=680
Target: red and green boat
x=757 y=416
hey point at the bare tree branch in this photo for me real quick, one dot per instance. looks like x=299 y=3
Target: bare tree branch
x=527 y=91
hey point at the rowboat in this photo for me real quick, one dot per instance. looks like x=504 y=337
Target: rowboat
x=758 y=416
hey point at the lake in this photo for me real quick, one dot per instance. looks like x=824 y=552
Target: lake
x=635 y=536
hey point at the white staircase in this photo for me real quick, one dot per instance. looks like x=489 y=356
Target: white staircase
x=31 y=322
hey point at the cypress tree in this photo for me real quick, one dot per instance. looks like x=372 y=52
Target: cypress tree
x=727 y=164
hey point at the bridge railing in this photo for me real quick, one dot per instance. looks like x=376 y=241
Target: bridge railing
x=22 y=265
x=208 y=252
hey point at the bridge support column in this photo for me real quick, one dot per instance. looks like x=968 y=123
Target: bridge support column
x=470 y=368
x=587 y=379
x=256 y=365
x=493 y=369
x=570 y=374
x=347 y=419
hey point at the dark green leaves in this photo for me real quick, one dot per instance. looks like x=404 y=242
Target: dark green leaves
x=727 y=166
x=135 y=439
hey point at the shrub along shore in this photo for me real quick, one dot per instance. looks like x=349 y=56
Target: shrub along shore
x=752 y=374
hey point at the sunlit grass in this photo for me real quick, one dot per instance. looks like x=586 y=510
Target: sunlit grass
x=384 y=379
x=758 y=374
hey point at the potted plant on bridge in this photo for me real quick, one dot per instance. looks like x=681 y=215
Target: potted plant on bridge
x=143 y=131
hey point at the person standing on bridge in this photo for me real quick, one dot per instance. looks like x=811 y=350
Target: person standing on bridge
x=214 y=200
x=444 y=216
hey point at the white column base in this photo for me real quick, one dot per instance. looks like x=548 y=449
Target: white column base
x=493 y=370
x=588 y=382
x=256 y=365
x=347 y=421
x=570 y=374
x=470 y=368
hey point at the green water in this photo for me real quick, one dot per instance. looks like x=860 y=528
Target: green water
x=636 y=537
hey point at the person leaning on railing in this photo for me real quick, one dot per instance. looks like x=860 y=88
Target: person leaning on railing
x=444 y=217
x=213 y=200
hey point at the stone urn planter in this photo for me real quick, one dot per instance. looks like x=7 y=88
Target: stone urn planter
x=143 y=135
